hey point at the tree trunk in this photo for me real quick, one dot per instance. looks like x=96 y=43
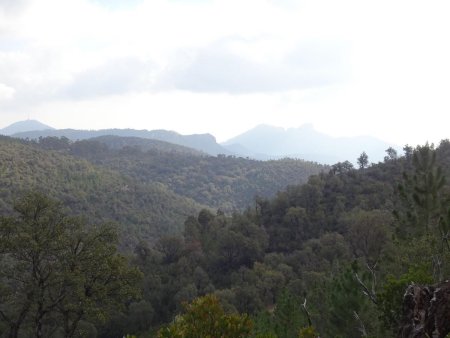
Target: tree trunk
x=70 y=327
x=13 y=331
x=39 y=317
x=426 y=311
x=14 y=326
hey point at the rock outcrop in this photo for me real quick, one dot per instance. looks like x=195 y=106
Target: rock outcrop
x=426 y=311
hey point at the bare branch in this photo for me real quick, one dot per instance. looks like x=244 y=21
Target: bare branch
x=362 y=327
x=307 y=313
x=372 y=296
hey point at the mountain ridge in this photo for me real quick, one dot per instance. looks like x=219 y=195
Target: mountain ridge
x=24 y=126
x=263 y=142
x=202 y=142
x=305 y=142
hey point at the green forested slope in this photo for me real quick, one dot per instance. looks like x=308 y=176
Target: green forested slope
x=144 y=211
x=148 y=186
x=348 y=241
x=345 y=244
x=224 y=182
x=118 y=143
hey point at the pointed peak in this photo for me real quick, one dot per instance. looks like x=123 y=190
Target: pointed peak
x=24 y=126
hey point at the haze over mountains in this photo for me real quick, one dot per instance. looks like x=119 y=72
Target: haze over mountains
x=202 y=142
x=147 y=186
x=24 y=126
x=263 y=142
x=305 y=142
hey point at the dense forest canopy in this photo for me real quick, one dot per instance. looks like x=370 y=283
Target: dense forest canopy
x=100 y=194
x=226 y=182
x=330 y=257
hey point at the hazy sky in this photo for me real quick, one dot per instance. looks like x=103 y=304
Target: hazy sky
x=357 y=67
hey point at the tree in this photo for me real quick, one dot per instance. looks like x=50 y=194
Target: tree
x=288 y=315
x=341 y=168
x=205 y=317
x=421 y=193
x=391 y=154
x=346 y=305
x=425 y=206
x=56 y=271
x=393 y=291
x=408 y=151
x=367 y=233
x=363 y=160
x=171 y=247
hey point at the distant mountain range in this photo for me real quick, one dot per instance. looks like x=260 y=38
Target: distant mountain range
x=205 y=143
x=268 y=142
x=262 y=142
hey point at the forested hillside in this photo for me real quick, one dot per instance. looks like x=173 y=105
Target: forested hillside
x=221 y=182
x=143 y=211
x=332 y=257
x=148 y=186
x=224 y=169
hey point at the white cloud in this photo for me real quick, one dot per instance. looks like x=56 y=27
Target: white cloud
x=220 y=67
x=349 y=67
x=6 y=92
x=12 y=7
x=118 y=76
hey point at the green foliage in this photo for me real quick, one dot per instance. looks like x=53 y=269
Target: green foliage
x=205 y=317
x=391 y=296
x=391 y=154
x=288 y=316
x=149 y=188
x=302 y=240
x=144 y=211
x=422 y=191
x=224 y=182
x=350 y=312
x=308 y=332
x=57 y=272
x=284 y=321
x=363 y=160
x=426 y=208
x=368 y=233
x=264 y=260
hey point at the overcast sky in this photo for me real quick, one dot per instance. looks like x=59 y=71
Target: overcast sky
x=378 y=68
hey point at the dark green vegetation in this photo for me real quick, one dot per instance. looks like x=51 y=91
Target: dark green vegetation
x=59 y=275
x=99 y=194
x=222 y=182
x=331 y=257
x=159 y=180
x=205 y=317
x=335 y=254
